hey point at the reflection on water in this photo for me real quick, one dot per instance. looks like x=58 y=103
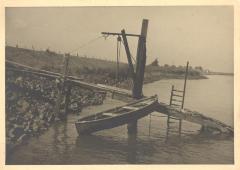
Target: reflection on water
x=132 y=148
x=60 y=137
x=61 y=145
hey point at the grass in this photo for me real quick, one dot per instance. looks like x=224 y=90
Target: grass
x=91 y=68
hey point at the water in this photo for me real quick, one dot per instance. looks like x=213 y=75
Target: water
x=151 y=145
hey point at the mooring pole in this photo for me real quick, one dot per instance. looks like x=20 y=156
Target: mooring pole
x=184 y=91
x=140 y=68
x=140 y=61
x=62 y=88
x=185 y=82
x=67 y=97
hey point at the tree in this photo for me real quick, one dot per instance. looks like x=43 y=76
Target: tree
x=166 y=65
x=155 y=62
x=199 y=68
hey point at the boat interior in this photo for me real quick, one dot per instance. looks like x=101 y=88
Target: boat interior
x=119 y=110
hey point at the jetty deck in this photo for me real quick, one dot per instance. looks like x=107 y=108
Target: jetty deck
x=194 y=117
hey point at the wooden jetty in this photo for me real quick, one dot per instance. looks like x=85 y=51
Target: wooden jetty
x=16 y=67
x=194 y=117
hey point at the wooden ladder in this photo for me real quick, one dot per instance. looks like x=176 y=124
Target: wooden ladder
x=177 y=100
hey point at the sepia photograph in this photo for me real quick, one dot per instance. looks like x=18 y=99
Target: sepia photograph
x=117 y=85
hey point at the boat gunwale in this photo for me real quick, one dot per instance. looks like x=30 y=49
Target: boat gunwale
x=88 y=121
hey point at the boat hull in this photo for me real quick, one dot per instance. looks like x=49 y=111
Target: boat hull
x=97 y=125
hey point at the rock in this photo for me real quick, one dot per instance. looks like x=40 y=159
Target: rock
x=16 y=132
x=22 y=138
x=31 y=110
x=23 y=105
x=75 y=106
x=19 y=79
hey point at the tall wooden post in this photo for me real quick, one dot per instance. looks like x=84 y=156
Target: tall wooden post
x=67 y=97
x=140 y=62
x=140 y=68
x=185 y=82
x=118 y=55
x=125 y=42
x=62 y=88
x=183 y=99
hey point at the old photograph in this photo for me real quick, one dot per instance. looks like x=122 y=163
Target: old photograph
x=113 y=85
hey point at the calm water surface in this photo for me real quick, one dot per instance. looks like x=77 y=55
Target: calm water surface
x=151 y=145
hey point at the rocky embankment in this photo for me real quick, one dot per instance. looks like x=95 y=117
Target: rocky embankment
x=30 y=105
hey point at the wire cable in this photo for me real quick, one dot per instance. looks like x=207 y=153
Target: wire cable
x=87 y=43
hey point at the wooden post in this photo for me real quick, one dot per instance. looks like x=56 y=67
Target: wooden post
x=125 y=42
x=171 y=95
x=62 y=87
x=185 y=82
x=67 y=97
x=141 y=61
x=118 y=49
x=184 y=90
x=140 y=68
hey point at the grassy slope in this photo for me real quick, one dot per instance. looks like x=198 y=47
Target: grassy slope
x=43 y=59
x=86 y=66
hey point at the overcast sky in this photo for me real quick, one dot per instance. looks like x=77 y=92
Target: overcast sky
x=202 y=35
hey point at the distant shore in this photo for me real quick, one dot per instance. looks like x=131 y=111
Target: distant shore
x=220 y=73
x=151 y=79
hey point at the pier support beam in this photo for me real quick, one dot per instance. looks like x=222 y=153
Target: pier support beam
x=140 y=68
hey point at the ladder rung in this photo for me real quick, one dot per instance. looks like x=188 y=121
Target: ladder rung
x=173 y=131
x=177 y=95
x=176 y=100
x=178 y=90
x=174 y=118
x=175 y=105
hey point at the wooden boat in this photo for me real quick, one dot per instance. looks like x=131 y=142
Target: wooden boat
x=117 y=116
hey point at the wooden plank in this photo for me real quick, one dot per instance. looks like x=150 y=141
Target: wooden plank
x=177 y=95
x=23 y=68
x=194 y=117
x=113 y=33
x=175 y=104
x=177 y=100
x=130 y=108
x=109 y=114
x=125 y=42
x=180 y=91
x=72 y=80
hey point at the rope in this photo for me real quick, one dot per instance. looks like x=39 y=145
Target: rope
x=118 y=56
x=120 y=45
x=87 y=43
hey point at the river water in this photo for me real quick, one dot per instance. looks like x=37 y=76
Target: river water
x=153 y=144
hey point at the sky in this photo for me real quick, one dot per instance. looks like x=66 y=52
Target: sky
x=202 y=35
